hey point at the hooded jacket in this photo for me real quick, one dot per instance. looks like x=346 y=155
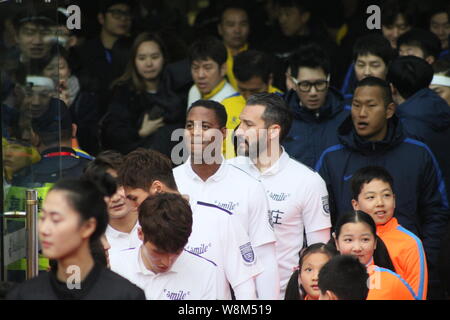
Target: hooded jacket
x=313 y=131
x=421 y=200
x=426 y=117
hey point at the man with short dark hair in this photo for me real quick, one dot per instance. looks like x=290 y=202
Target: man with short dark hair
x=298 y=198
x=343 y=278
x=253 y=75
x=420 y=43
x=317 y=108
x=217 y=234
x=161 y=266
x=424 y=114
x=234 y=28
x=373 y=135
x=207 y=177
x=208 y=59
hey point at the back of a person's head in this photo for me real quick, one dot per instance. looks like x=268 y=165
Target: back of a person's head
x=216 y=107
x=54 y=125
x=366 y=175
x=310 y=55
x=166 y=221
x=373 y=44
x=425 y=40
x=86 y=196
x=345 y=277
x=208 y=47
x=104 y=161
x=276 y=111
x=409 y=74
x=142 y=167
x=252 y=63
x=377 y=82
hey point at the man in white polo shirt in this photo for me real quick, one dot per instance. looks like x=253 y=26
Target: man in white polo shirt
x=161 y=266
x=216 y=233
x=206 y=176
x=298 y=197
x=121 y=232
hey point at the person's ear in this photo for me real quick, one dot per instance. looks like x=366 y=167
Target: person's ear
x=355 y=204
x=140 y=234
x=223 y=69
x=34 y=139
x=390 y=110
x=274 y=132
x=156 y=188
x=74 y=130
x=220 y=29
x=101 y=18
x=335 y=241
x=88 y=228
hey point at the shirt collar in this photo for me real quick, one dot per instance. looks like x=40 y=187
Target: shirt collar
x=279 y=165
x=214 y=91
x=119 y=234
x=219 y=175
x=388 y=226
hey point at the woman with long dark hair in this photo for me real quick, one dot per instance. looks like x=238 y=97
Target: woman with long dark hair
x=144 y=110
x=73 y=217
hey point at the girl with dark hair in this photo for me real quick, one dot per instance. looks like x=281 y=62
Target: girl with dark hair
x=73 y=217
x=144 y=110
x=303 y=284
x=355 y=234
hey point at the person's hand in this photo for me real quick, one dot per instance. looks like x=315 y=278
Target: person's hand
x=150 y=126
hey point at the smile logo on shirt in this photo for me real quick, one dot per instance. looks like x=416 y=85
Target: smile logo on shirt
x=230 y=206
x=180 y=295
x=247 y=253
x=279 y=196
x=203 y=248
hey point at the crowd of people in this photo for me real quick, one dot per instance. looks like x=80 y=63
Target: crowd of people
x=267 y=150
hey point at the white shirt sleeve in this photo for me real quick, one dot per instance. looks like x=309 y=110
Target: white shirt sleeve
x=268 y=281
x=210 y=292
x=316 y=211
x=240 y=259
x=245 y=290
x=319 y=236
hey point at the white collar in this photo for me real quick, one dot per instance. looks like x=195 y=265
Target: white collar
x=217 y=176
x=119 y=234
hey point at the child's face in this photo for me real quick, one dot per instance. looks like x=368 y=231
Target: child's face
x=309 y=273
x=357 y=239
x=377 y=199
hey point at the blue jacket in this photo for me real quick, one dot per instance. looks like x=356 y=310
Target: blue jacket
x=426 y=117
x=421 y=201
x=312 y=132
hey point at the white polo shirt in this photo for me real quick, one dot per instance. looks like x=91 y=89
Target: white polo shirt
x=298 y=200
x=219 y=236
x=122 y=240
x=190 y=278
x=234 y=190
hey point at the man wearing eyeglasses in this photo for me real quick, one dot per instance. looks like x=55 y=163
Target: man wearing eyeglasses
x=317 y=108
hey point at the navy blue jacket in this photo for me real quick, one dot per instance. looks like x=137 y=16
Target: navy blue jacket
x=52 y=167
x=421 y=201
x=426 y=117
x=313 y=131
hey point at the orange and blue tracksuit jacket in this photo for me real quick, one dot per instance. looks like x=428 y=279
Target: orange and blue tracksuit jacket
x=385 y=284
x=407 y=255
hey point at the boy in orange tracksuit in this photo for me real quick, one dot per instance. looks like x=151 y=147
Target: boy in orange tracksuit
x=372 y=193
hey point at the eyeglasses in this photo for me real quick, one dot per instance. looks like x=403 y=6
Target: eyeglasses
x=117 y=14
x=305 y=86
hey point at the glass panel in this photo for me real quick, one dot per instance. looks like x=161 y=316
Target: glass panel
x=31 y=118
